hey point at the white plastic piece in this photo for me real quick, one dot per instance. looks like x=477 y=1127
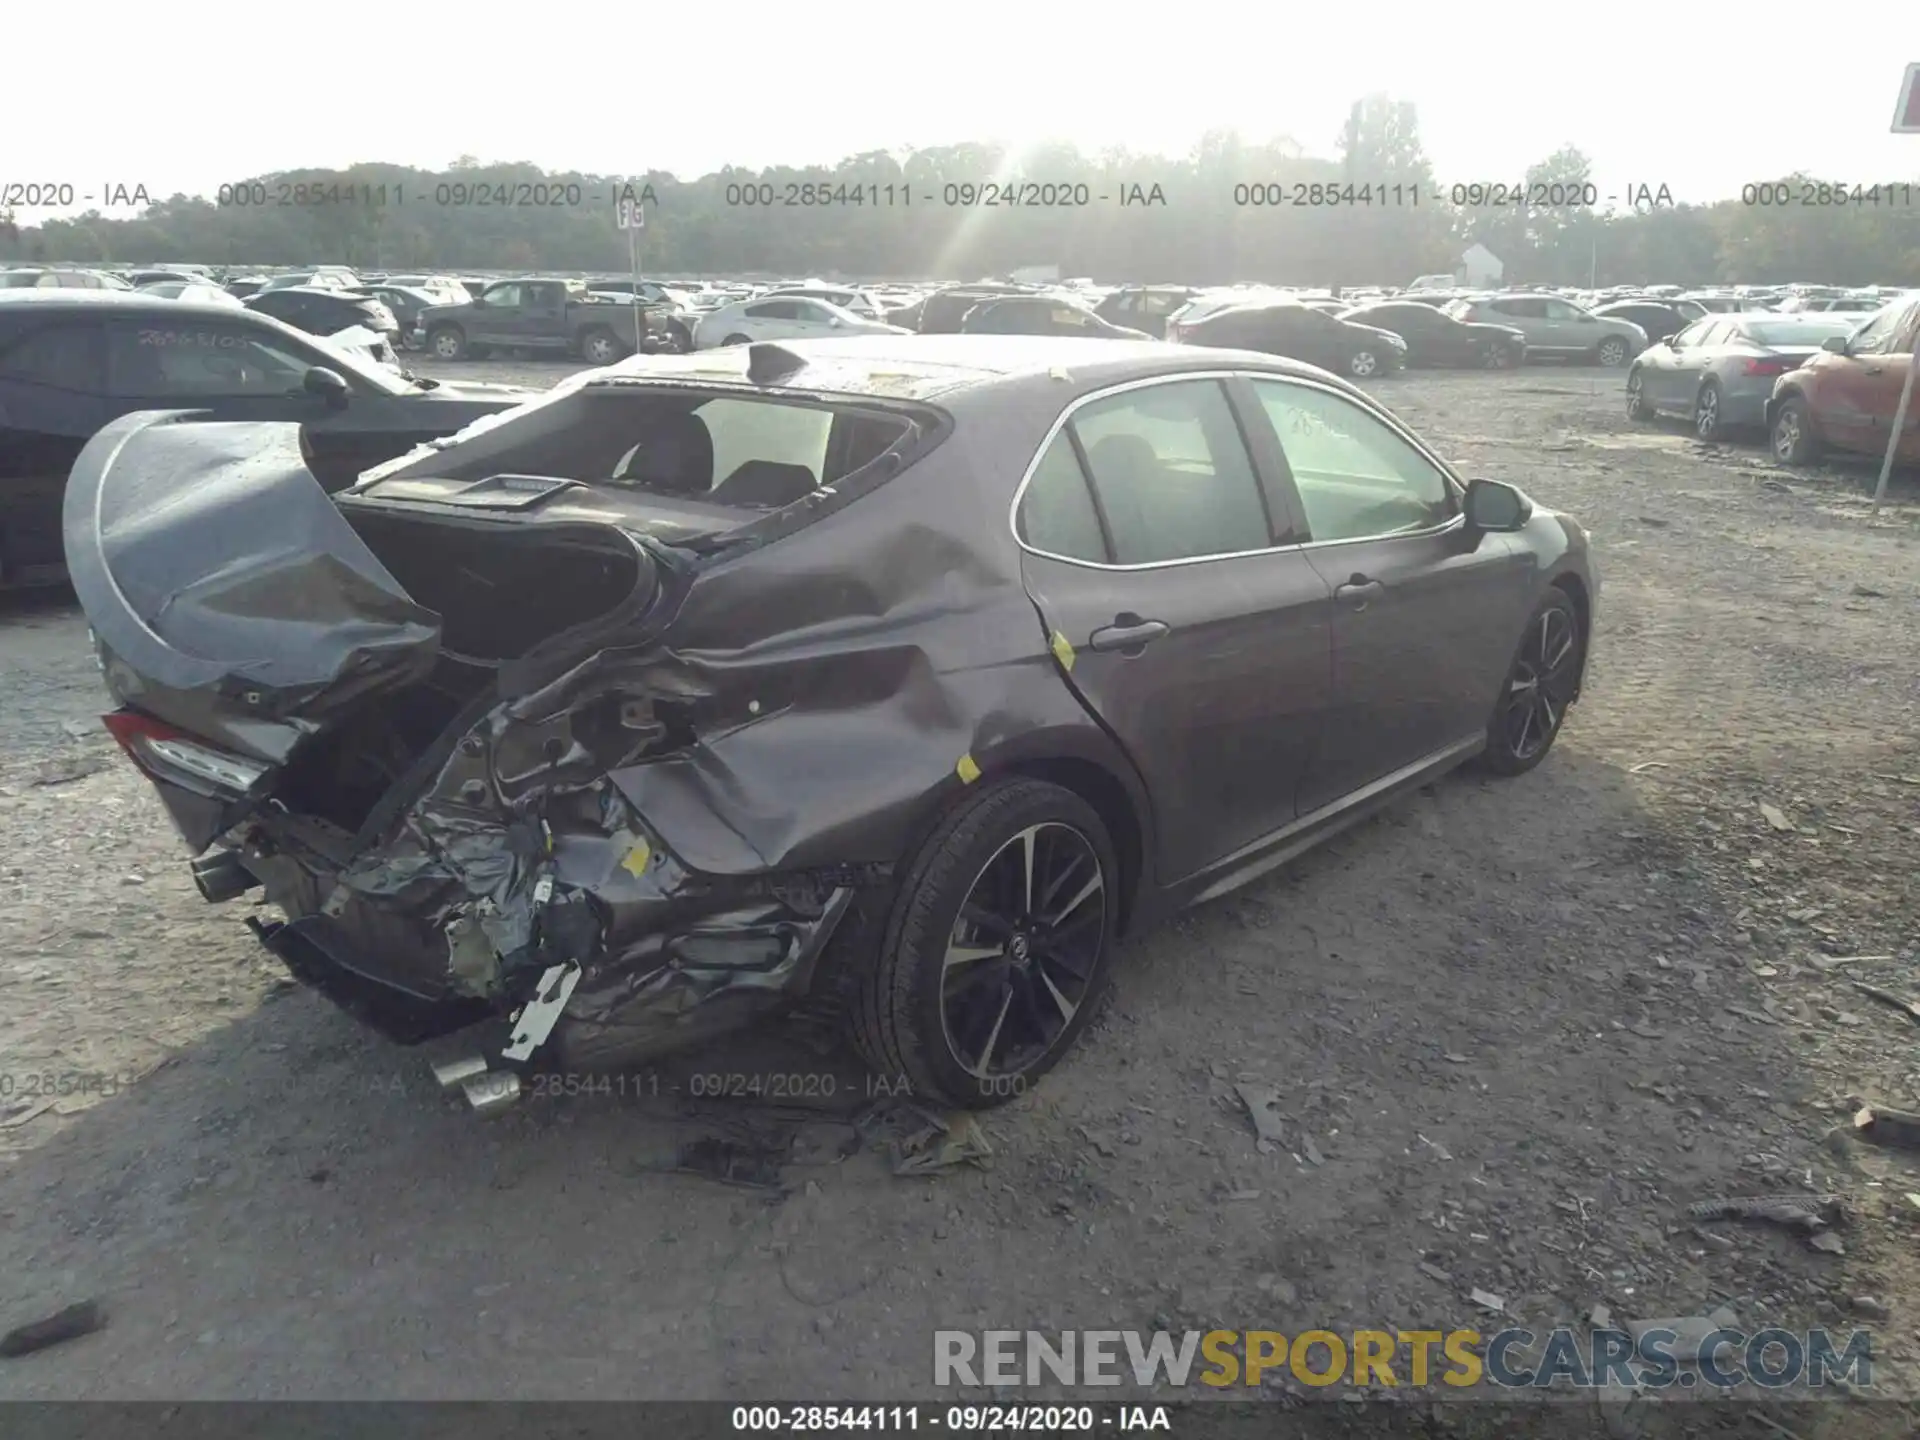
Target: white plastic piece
x=539 y=1015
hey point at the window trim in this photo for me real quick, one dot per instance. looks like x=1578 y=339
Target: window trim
x=1262 y=479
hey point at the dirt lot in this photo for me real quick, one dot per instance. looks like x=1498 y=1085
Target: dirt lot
x=1516 y=1029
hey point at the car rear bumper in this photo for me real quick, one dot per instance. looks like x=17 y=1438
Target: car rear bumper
x=419 y=946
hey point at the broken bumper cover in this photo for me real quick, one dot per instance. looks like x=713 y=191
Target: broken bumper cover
x=600 y=950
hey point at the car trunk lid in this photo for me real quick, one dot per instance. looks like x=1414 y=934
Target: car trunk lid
x=251 y=624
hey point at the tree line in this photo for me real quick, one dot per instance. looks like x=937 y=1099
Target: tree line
x=1373 y=213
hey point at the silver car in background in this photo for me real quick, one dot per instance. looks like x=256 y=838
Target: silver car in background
x=1555 y=327
x=1718 y=372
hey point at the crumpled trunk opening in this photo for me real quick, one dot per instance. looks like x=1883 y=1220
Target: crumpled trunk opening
x=499 y=592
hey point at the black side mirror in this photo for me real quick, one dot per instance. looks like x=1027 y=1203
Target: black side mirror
x=329 y=385
x=1492 y=506
x=1837 y=344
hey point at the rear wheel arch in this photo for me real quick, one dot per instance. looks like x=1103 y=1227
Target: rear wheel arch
x=1092 y=781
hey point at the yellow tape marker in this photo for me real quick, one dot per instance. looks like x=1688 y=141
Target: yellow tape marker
x=637 y=858
x=967 y=770
x=1063 y=650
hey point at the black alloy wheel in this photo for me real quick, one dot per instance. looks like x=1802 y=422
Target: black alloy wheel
x=999 y=948
x=1538 y=690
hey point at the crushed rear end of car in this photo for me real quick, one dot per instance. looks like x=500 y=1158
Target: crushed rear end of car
x=501 y=754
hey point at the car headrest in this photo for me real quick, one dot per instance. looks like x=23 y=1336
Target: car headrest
x=1117 y=455
x=764 y=485
x=674 y=457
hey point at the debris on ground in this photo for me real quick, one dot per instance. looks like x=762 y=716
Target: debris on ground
x=1775 y=816
x=1869 y=1307
x=1887 y=1127
x=58 y=1328
x=1796 y=1212
x=1263 y=1105
x=730 y=1162
x=1690 y=1333
x=1487 y=1300
x=1434 y=1272
x=945 y=1142
x=1827 y=1243
x=1910 y=1008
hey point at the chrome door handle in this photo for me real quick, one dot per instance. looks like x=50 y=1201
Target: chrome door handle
x=1358 y=592
x=1127 y=637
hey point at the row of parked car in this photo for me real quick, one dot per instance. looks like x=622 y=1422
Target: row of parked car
x=1809 y=381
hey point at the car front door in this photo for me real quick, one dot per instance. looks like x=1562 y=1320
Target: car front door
x=1670 y=373
x=1427 y=341
x=1877 y=381
x=499 y=318
x=1183 y=614
x=1425 y=614
x=52 y=399
x=1851 y=390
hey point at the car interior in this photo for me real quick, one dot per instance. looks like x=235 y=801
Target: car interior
x=735 y=451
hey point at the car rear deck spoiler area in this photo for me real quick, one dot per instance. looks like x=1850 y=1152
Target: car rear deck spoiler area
x=227 y=592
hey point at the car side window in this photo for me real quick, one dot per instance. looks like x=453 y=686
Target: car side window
x=201 y=361
x=1876 y=334
x=1356 y=478
x=1056 y=513
x=1716 y=332
x=504 y=295
x=61 y=357
x=1560 y=310
x=1171 y=473
x=775 y=310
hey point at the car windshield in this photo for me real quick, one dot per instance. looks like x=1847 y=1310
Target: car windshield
x=1796 y=332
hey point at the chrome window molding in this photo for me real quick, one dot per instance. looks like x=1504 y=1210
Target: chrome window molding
x=1364 y=403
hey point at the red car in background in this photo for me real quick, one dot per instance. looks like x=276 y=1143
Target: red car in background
x=1845 y=397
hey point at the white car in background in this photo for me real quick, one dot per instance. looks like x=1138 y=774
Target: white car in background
x=782 y=317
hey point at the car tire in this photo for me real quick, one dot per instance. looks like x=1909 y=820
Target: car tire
x=682 y=338
x=1363 y=365
x=1538 y=688
x=447 y=342
x=600 y=346
x=1707 y=422
x=1611 y=352
x=1637 y=406
x=1498 y=357
x=1792 y=438
x=736 y=340
x=911 y=1025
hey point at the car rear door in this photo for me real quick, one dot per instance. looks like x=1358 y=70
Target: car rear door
x=52 y=399
x=1525 y=313
x=1182 y=613
x=1425 y=613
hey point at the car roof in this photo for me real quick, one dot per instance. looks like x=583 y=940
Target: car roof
x=926 y=367
x=140 y=303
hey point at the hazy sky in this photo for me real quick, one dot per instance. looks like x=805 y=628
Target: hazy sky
x=1701 y=98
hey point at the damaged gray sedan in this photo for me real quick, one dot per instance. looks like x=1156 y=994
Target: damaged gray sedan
x=900 y=675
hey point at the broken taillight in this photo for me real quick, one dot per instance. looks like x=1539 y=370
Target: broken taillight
x=164 y=753
x=1766 y=367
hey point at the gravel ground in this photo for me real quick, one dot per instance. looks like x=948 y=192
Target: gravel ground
x=1515 y=1029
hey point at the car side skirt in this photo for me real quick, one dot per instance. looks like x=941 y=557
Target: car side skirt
x=1252 y=861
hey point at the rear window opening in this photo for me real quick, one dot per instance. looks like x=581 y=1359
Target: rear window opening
x=743 y=451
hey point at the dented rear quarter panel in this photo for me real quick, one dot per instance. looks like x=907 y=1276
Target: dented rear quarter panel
x=880 y=646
